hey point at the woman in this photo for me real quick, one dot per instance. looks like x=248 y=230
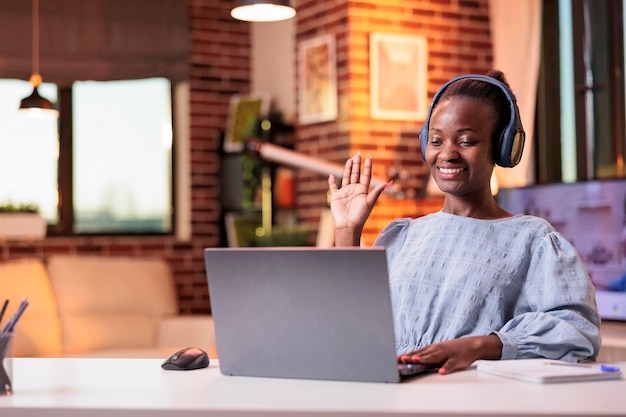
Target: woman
x=474 y=281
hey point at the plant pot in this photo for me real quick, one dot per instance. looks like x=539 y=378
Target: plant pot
x=22 y=226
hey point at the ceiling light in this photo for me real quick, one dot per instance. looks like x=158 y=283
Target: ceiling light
x=35 y=101
x=263 y=10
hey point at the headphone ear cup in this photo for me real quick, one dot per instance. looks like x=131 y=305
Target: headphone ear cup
x=509 y=153
x=424 y=136
x=499 y=154
x=511 y=147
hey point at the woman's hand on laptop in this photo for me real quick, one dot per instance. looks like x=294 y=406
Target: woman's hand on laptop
x=456 y=354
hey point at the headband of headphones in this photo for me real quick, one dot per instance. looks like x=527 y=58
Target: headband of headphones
x=508 y=150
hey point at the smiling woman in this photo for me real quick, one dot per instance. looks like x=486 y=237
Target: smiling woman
x=473 y=281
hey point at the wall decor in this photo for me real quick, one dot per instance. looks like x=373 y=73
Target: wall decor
x=243 y=113
x=317 y=80
x=398 y=77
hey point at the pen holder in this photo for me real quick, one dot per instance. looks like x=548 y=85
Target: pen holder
x=6 y=362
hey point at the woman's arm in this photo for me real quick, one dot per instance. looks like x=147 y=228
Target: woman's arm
x=557 y=316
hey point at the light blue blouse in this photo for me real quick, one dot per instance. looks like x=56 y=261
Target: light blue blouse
x=453 y=276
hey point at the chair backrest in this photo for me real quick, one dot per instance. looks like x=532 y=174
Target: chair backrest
x=38 y=333
x=108 y=302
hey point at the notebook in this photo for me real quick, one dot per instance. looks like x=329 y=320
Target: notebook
x=543 y=371
x=304 y=312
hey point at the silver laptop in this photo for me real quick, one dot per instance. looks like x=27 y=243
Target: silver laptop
x=304 y=312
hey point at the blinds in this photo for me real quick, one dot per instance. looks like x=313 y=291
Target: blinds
x=96 y=39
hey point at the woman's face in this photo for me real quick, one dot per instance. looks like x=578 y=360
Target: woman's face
x=459 y=150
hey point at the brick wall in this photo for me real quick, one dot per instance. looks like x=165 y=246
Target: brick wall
x=458 y=42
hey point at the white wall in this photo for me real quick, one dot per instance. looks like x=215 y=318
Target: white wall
x=273 y=63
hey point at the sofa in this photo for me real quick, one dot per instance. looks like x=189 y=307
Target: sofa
x=99 y=306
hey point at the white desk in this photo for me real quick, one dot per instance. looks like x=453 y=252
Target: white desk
x=139 y=387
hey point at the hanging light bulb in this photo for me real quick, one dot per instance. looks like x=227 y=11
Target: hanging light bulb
x=263 y=10
x=35 y=101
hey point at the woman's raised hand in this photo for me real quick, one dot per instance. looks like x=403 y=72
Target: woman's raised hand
x=351 y=204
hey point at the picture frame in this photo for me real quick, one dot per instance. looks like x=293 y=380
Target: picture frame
x=240 y=229
x=243 y=111
x=398 y=77
x=317 y=80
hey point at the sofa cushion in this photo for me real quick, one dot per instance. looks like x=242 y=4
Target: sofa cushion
x=157 y=352
x=111 y=302
x=83 y=332
x=38 y=333
x=189 y=330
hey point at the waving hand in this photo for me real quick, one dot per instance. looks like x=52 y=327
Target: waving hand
x=351 y=204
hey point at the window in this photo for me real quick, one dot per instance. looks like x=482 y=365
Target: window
x=113 y=170
x=29 y=149
x=122 y=136
x=581 y=112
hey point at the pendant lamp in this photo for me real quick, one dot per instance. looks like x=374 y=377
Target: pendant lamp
x=35 y=101
x=263 y=10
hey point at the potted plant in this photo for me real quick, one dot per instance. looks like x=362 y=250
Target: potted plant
x=21 y=222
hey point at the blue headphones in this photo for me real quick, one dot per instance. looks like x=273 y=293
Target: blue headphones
x=508 y=152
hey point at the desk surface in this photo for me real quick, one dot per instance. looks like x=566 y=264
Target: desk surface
x=139 y=387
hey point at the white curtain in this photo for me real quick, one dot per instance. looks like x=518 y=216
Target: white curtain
x=516 y=38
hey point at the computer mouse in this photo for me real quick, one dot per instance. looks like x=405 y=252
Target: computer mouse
x=186 y=359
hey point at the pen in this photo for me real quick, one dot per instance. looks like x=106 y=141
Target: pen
x=575 y=365
x=4 y=308
x=608 y=368
x=13 y=320
x=603 y=367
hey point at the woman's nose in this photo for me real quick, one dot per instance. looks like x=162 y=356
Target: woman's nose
x=448 y=152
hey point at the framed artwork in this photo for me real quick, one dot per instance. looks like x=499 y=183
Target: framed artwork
x=317 y=80
x=241 y=229
x=398 y=77
x=243 y=113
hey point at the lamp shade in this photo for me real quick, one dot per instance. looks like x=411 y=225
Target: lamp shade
x=36 y=101
x=263 y=10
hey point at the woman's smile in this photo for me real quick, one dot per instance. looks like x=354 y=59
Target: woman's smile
x=450 y=172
